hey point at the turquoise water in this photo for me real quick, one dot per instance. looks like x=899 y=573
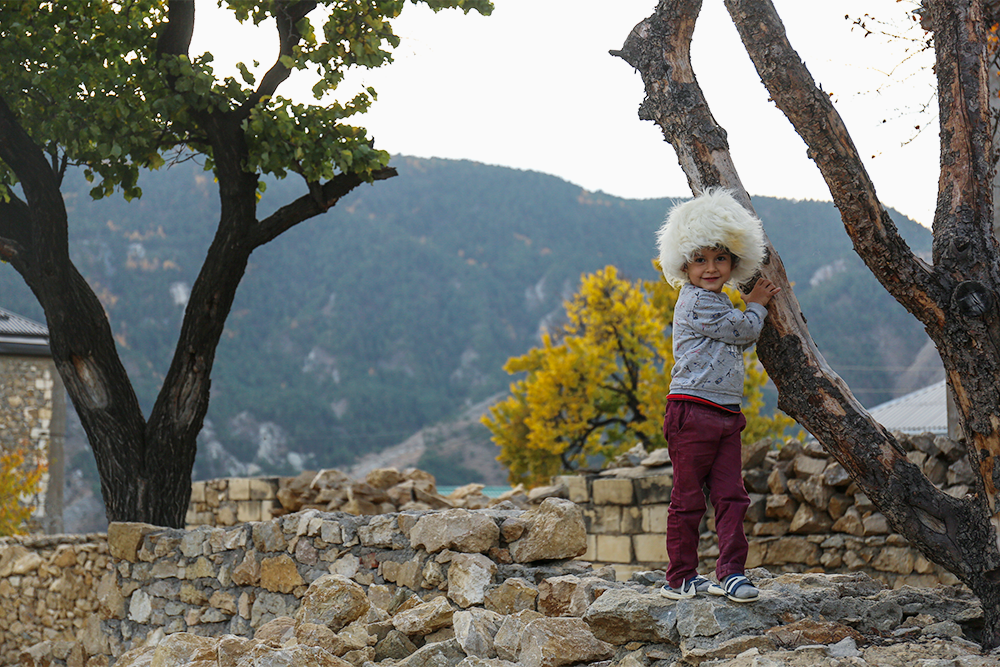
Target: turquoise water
x=489 y=491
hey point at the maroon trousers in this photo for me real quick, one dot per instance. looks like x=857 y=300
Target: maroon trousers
x=704 y=445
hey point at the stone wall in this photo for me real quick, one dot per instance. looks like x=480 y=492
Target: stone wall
x=226 y=502
x=33 y=419
x=48 y=593
x=461 y=588
x=232 y=580
x=805 y=515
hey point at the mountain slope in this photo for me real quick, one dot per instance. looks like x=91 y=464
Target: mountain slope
x=397 y=309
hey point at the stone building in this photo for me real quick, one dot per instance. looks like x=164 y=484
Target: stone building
x=33 y=409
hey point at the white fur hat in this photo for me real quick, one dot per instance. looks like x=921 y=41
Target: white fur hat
x=712 y=219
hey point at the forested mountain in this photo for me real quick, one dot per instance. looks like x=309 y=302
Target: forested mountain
x=398 y=308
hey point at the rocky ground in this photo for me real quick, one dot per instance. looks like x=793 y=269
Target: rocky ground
x=800 y=620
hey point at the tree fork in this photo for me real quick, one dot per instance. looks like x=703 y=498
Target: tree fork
x=957 y=533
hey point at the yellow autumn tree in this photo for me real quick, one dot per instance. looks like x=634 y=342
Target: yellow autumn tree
x=596 y=386
x=19 y=481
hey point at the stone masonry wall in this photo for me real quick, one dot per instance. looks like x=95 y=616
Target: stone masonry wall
x=32 y=412
x=226 y=502
x=231 y=580
x=48 y=592
x=805 y=515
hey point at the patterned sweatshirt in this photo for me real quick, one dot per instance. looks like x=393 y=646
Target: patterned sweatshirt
x=709 y=338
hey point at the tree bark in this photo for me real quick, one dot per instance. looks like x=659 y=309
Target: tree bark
x=955 y=299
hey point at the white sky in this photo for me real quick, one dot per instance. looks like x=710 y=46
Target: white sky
x=533 y=87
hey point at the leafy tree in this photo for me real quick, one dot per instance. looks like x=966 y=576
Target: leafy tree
x=113 y=87
x=596 y=386
x=955 y=297
x=19 y=480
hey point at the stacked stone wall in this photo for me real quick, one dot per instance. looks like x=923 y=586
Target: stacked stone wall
x=48 y=593
x=461 y=588
x=32 y=420
x=213 y=581
x=805 y=515
x=226 y=502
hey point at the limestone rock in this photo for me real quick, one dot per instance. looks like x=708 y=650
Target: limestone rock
x=656 y=458
x=781 y=506
x=540 y=493
x=280 y=574
x=624 y=615
x=726 y=649
x=139 y=607
x=247 y=573
x=424 y=618
x=333 y=601
x=439 y=654
x=457 y=529
x=313 y=634
x=124 y=539
x=753 y=454
x=555 y=593
x=355 y=635
x=507 y=641
x=875 y=524
x=697 y=618
x=181 y=648
x=850 y=523
x=475 y=630
x=382 y=532
x=555 y=529
x=468 y=577
x=475 y=661
x=809 y=520
x=268 y=537
x=276 y=632
x=395 y=646
x=513 y=595
x=810 y=631
x=552 y=642
x=383 y=478
x=109 y=597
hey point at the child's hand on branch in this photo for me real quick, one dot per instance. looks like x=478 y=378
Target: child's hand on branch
x=761 y=292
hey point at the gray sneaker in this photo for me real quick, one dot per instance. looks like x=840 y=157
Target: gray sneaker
x=690 y=588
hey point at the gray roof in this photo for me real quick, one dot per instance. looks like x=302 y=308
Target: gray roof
x=19 y=335
x=923 y=411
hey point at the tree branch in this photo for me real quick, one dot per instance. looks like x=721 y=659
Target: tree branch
x=809 y=109
x=287 y=17
x=175 y=40
x=964 y=242
x=311 y=204
x=43 y=202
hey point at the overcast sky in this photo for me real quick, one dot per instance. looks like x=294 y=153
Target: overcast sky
x=533 y=87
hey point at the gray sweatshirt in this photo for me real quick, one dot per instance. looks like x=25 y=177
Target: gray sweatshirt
x=709 y=338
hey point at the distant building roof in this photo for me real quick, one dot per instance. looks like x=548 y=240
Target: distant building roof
x=925 y=410
x=19 y=335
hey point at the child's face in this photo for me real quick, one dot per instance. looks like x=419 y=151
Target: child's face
x=710 y=269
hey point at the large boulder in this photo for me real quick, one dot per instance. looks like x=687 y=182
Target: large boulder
x=334 y=601
x=552 y=642
x=555 y=529
x=457 y=529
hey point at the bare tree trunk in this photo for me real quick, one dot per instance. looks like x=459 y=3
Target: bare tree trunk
x=955 y=299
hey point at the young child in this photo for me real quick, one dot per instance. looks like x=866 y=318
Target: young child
x=705 y=243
